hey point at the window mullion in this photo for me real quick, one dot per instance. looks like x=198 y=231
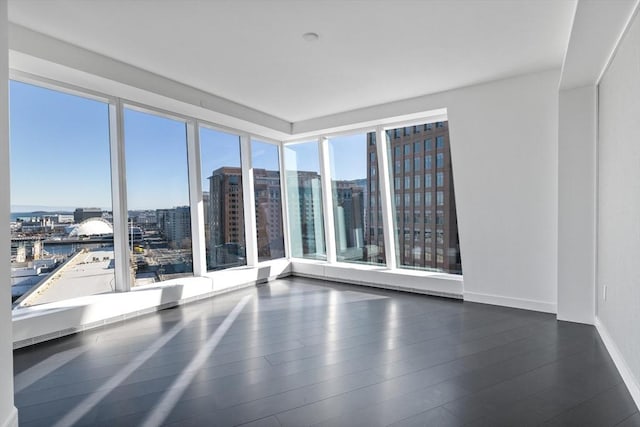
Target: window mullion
x=123 y=272
x=385 y=198
x=195 y=199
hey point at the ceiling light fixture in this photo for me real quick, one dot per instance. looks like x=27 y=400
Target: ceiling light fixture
x=310 y=37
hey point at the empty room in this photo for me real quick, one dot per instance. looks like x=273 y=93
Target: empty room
x=343 y=213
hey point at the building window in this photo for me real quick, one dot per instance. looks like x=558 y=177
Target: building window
x=224 y=212
x=416 y=199
x=398 y=183
x=427 y=235
x=396 y=133
x=428 y=161
x=417 y=147
x=427 y=198
x=428 y=144
x=428 y=217
x=407 y=149
x=428 y=126
x=439 y=124
x=396 y=198
x=439 y=218
x=417 y=162
x=372 y=156
x=407 y=165
x=427 y=180
x=440 y=160
x=440 y=142
x=407 y=131
x=417 y=179
x=397 y=167
x=407 y=182
x=440 y=198
x=439 y=179
x=407 y=200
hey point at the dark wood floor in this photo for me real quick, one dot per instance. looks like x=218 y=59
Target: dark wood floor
x=304 y=352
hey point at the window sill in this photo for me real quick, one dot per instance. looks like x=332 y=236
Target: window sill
x=424 y=282
x=43 y=322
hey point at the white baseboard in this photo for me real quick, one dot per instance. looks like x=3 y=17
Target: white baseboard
x=526 y=304
x=12 y=419
x=627 y=376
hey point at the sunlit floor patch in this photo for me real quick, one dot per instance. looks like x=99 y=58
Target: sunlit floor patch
x=162 y=410
x=94 y=398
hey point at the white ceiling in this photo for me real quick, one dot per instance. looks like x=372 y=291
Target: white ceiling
x=369 y=52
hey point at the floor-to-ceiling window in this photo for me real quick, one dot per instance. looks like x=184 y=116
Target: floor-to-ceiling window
x=268 y=200
x=304 y=196
x=426 y=227
x=157 y=197
x=356 y=199
x=61 y=218
x=222 y=196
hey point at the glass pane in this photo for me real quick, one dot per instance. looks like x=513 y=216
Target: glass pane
x=304 y=192
x=157 y=197
x=222 y=199
x=60 y=196
x=358 y=232
x=266 y=177
x=427 y=244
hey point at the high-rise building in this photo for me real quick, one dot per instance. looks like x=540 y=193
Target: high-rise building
x=269 y=225
x=305 y=196
x=423 y=195
x=175 y=225
x=225 y=218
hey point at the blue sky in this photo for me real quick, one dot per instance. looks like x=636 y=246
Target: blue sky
x=348 y=157
x=60 y=154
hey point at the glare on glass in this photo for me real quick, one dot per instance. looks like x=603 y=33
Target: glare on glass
x=357 y=232
x=268 y=200
x=304 y=197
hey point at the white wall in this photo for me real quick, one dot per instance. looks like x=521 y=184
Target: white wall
x=618 y=317
x=504 y=151
x=8 y=413
x=577 y=204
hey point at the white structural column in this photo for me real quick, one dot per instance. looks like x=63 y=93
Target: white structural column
x=8 y=412
x=248 y=199
x=384 y=186
x=195 y=199
x=284 y=205
x=119 y=197
x=577 y=204
x=327 y=201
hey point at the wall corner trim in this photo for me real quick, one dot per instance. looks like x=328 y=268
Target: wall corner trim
x=627 y=376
